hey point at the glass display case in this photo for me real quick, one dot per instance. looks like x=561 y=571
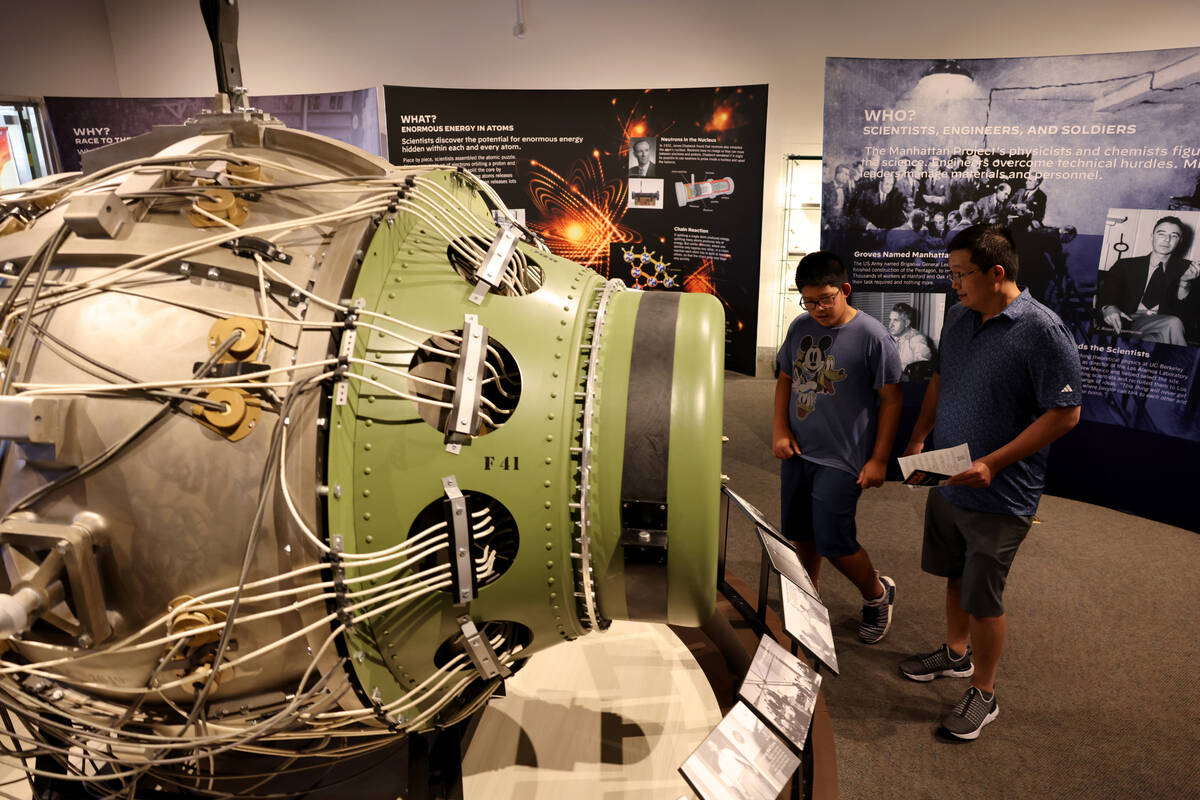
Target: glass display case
x=24 y=154
x=801 y=233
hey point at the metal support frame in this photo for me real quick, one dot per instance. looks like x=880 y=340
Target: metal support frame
x=221 y=19
x=75 y=543
x=341 y=389
x=480 y=651
x=491 y=269
x=462 y=568
x=468 y=385
x=756 y=617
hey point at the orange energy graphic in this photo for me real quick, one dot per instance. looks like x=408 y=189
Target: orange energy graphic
x=580 y=216
x=633 y=126
x=702 y=281
x=636 y=124
x=720 y=119
x=726 y=113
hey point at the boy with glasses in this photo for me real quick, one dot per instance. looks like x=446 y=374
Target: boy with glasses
x=837 y=405
x=1008 y=384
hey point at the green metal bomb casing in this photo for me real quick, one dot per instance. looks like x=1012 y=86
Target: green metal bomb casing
x=604 y=479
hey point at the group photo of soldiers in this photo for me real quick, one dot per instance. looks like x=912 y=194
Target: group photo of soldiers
x=918 y=205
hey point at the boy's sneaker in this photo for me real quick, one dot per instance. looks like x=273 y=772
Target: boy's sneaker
x=877 y=614
x=970 y=714
x=927 y=666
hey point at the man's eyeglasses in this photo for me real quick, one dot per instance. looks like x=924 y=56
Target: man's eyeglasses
x=823 y=302
x=956 y=277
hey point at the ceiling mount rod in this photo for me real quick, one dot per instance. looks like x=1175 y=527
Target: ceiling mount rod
x=221 y=19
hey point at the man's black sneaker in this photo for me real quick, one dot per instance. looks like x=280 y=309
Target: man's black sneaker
x=939 y=663
x=970 y=714
x=877 y=614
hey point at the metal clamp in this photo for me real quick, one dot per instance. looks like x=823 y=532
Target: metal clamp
x=498 y=255
x=480 y=651
x=395 y=722
x=462 y=567
x=468 y=380
x=337 y=567
x=341 y=390
x=251 y=246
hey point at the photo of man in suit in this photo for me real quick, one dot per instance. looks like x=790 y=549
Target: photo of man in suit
x=1140 y=296
x=1029 y=203
x=642 y=151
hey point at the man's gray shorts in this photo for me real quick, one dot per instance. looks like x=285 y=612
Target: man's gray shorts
x=977 y=546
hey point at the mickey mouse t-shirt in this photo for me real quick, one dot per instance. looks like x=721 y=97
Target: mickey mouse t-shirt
x=836 y=374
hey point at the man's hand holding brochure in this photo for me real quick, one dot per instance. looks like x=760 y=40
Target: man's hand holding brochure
x=934 y=467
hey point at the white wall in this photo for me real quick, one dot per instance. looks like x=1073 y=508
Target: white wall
x=160 y=48
x=56 y=47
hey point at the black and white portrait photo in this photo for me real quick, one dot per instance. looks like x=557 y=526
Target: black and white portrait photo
x=643 y=155
x=914 y=319
x=1146 y=282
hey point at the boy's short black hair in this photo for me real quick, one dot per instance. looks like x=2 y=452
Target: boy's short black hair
x=820 y=268
x=989 y=244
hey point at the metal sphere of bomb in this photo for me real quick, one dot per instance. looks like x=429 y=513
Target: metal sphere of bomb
x=305 y=448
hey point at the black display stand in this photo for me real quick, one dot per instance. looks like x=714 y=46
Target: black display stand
x=817 y=775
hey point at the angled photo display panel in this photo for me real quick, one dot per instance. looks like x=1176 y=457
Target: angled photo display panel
x=782 y=689
x=741 y=759
x=787 y=563
x=805 y=619
x=750 y=510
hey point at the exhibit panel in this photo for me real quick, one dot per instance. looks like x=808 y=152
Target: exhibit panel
x=1084 y=158
x=659 y=187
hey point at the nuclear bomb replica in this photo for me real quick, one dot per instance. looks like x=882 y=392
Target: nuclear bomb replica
x=303 y=451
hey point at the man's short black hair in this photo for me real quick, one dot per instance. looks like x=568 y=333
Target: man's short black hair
x=1185 y=233
x=989 y=244
x=906 y=310
x=820 y=268
x=1171 y=218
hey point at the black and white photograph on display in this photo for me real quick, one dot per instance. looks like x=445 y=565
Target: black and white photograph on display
x=914 y=319
x=787 y=563
x=807 y=620
x=1148 y=278
x=741 y=759
x=782 y=689
x=643 y=155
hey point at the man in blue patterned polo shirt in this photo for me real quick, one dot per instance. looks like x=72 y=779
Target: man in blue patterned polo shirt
x=1008 y=385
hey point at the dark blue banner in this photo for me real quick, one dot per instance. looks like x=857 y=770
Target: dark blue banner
x=1094 y=163
x=80 y=124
